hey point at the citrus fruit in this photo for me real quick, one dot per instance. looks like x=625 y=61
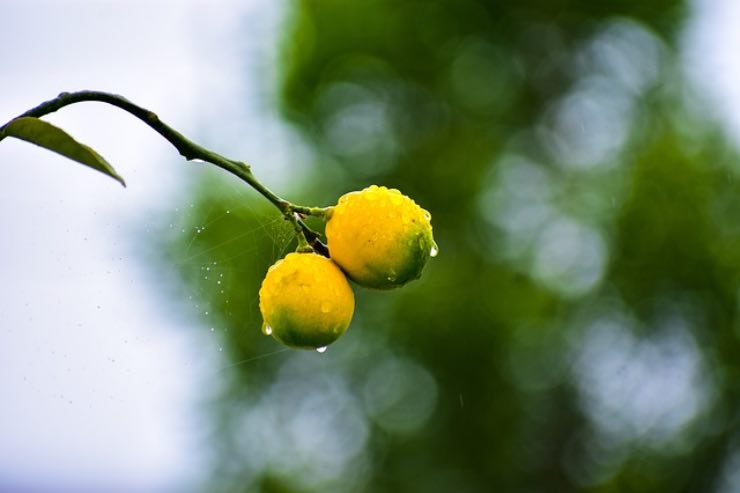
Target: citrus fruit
x=379 y=237
x=306 y=301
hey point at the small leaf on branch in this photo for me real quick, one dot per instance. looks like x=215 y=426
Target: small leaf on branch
x=46 y=135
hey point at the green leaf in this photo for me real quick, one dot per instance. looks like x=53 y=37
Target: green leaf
x=55 y=139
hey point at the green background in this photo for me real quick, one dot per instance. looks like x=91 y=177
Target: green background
x=578 y=330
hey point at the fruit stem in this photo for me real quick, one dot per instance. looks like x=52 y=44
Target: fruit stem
x=188 y=149
x=300 y=232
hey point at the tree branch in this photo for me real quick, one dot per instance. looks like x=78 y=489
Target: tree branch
x=188 y=149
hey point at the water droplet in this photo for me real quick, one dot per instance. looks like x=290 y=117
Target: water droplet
x=228 y=212
x=434 y=251
x=321 y=349
x=266 y=329
x=212 y=329
x=427 y=216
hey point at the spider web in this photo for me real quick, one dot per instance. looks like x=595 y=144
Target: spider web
x=219 y=246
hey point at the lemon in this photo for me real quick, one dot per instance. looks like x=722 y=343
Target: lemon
x=306 y=301
x=379 y=237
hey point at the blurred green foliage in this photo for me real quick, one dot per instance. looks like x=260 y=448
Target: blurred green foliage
x=579 y=329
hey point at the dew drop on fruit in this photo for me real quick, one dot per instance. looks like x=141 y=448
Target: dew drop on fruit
x=434 y=251
x=321 y=349
x=266 y=329
x=427 y=216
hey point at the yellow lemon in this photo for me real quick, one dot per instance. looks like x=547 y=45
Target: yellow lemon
x=306 y=301
x=379 y=237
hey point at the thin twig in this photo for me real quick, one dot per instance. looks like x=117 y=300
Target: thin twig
x=188 y=149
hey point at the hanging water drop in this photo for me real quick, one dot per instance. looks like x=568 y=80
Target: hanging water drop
x=321 y=349
x=434 y=251
x=266 y=329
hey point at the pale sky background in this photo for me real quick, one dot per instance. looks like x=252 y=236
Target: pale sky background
x=100 y=381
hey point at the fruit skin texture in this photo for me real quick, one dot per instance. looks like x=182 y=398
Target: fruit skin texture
x=306 y=301
x=379 y=237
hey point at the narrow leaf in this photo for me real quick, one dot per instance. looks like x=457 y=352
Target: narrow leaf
x=55 y=139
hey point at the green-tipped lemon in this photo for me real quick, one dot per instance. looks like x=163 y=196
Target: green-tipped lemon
x=306 y=301
x=380 y=238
